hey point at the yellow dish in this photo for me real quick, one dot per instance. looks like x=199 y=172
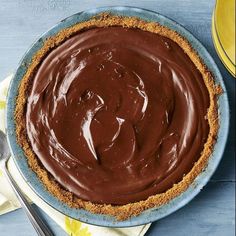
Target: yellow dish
x=223 y=33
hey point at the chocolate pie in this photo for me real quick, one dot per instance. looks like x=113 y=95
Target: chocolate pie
x=117 y=115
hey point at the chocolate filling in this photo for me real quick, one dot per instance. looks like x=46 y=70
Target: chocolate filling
x=117 y=115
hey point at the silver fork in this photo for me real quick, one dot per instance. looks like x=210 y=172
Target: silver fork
x=40 y=227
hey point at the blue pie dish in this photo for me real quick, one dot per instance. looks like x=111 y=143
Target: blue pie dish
x=149 y=215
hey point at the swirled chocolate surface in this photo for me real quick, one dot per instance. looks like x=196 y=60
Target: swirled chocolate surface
x=117 y=115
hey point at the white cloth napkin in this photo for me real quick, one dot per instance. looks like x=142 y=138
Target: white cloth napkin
x=8 y=200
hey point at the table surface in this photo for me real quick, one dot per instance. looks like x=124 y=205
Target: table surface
x=212 y=212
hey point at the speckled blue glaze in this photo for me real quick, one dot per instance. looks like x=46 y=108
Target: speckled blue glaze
x=148 y=215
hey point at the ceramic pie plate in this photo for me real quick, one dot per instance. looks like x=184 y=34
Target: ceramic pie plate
x=149 y=215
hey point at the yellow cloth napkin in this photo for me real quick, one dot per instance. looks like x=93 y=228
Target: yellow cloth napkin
x=8 y=201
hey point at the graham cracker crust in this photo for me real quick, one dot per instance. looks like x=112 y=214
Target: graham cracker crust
x=132 y=209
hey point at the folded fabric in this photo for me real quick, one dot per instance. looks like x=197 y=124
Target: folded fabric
x=8 y=201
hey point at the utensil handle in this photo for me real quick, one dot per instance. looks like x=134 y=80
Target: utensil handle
x=40 y=227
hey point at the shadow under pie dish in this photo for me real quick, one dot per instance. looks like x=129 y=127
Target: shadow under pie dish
x=117 y=115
